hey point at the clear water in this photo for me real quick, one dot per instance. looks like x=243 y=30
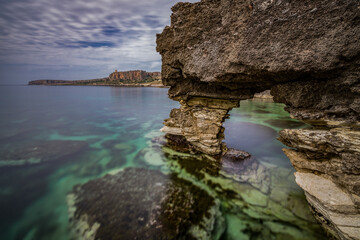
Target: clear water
x=53 y=138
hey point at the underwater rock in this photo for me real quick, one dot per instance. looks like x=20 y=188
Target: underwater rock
x=37 y=152
x=285 y=123
x=251 y=191
x=142 y=204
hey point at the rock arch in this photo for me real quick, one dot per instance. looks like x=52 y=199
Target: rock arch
x=217 y=52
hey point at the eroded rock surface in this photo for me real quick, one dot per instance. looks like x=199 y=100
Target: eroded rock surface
x=328 y=161
x=199 y=121
x=306 y=52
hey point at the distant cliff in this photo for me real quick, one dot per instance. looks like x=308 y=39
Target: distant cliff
x=135 y=76
x=127 y=79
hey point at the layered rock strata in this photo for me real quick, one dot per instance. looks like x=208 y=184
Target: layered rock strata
x=328 y=165
x=199 y=121
x=306 y=52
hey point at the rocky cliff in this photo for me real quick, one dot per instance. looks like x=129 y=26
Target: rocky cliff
x=134 y=76
x=217 y=52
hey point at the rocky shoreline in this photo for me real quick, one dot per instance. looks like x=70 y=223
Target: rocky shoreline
x=75 y=83
x=136 y=78
x=216 y=53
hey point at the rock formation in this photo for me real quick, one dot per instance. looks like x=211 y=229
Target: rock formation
x=115 y=78
x=264 y=95
x=200 y=120
x=217 y=52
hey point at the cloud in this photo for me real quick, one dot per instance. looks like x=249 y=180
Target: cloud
x=84 y=44
x=88 y=33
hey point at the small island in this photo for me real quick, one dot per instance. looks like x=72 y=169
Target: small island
x=135 y=78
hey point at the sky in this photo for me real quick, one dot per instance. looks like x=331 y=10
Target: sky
x=79 y=39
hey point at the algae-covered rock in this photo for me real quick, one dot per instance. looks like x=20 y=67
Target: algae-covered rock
x=142 y=204
x=252 y=193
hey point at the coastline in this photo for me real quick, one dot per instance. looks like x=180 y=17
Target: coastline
x=104 y=85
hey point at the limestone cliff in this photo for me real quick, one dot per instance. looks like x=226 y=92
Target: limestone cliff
x=307 y=53
x=134 y=76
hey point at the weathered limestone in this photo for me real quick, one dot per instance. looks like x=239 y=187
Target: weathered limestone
x=134 y=76
x=308 y=54
x=200 y=120
x=334 y=152
x=328 y=165
x=334 y=208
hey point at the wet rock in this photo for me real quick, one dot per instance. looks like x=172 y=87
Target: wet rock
x=179 y=143
x=235 y=155
x=142 y=204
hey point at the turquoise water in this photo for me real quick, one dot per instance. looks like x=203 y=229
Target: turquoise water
x=53 y=138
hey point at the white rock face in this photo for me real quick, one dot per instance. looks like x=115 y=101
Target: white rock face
x=333 y=206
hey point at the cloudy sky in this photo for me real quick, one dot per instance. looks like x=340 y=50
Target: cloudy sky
x=78 y=39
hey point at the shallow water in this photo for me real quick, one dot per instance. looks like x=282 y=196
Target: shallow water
x=53 y=138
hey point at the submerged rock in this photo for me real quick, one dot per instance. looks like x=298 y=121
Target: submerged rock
x=252 y=193
x=142 y=204
x=37 y=152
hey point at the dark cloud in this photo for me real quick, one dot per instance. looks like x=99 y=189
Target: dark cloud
x=111 y=31
x=85 y=44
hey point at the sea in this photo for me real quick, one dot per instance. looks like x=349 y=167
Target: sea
x=53 y=138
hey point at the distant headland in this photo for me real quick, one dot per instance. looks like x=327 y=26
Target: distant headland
x=135 y=78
